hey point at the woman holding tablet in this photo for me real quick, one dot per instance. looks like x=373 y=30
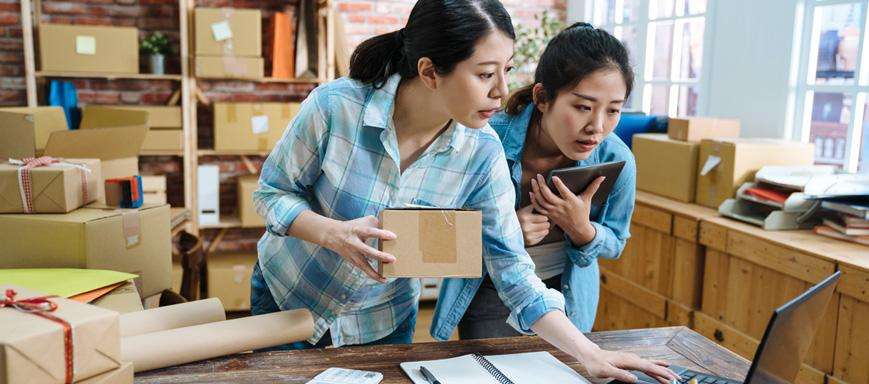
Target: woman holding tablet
x=565 y=119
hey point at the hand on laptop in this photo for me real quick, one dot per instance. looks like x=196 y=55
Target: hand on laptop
x=616 y=365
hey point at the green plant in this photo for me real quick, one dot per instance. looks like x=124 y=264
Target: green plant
x=156 y=44
x=530 y=42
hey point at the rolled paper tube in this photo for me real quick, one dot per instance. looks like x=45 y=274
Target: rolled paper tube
x=206 y=341
x=171 y=317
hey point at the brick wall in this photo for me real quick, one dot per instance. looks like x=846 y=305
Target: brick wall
x=362 y=19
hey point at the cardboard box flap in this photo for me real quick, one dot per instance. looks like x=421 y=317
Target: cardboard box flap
x=24 y=131
x=102 y=143
x=110 y=117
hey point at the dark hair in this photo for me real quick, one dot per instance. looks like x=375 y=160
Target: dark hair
x=573 y=54
x=445 y=31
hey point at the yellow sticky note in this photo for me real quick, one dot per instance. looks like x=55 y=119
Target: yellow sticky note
x=85 y=45
x=63 y=282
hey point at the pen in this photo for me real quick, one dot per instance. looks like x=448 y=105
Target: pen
x=428 y=375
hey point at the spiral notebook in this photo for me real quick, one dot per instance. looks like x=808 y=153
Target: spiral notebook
x=518 y=368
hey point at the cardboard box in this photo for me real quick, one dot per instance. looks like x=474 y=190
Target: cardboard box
x=228 y=32
x=665 y=166
x=164 y=140
x=58 y=188
x=725 y=164
x=24 y=131
x=698 y=128
x=91 y=49
x=433 y=242
x=228 y=67
x=32 y=347
x=165 y=123
x=123 y=299
x=154 y=188
x=251 y=126
x=128 y=240
x=122 y=375
x=229 y=279
x=247 y=185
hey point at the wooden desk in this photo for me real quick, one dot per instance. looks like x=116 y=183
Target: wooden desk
x=678 y=345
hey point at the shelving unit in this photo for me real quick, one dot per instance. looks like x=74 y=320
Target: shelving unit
x=190 y=94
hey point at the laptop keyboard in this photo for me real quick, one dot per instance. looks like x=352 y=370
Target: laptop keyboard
x=705 y=379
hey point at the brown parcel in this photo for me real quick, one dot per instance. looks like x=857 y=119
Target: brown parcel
x=665 y=166
x=225 y=67
x=165 y=124
x=234 y=128
x=95 y=49
x=699 y=128
x=123 y=299
x=32 y=347
x=122 y=375
x=55 y=188
x=433 y=242
x=24 y=131
x=739 y=160
x=245 y=30
x=229 y=279
x=126 y=240
x=247 y=185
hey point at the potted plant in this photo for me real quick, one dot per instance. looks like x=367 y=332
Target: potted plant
x=530 y=42
x=156 y=46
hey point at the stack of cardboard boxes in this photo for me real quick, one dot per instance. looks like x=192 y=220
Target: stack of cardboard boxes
x=228 y=43
x=68 y=233
x=702 y=160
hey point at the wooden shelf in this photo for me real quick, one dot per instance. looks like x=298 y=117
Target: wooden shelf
x=213 y=152
x=109 y=76
x=265 y=80
x=225 y=222
x=161 y=153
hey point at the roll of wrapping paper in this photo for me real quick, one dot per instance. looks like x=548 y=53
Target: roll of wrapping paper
x=205 y=341
x=171 y=317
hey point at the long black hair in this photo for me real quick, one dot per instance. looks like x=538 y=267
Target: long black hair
x=444 y=31
x=573 y=54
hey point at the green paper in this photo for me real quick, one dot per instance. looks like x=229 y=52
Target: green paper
x=63 y=282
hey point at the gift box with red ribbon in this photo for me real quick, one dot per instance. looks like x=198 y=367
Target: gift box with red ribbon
x=54 y=340
x=48 y=185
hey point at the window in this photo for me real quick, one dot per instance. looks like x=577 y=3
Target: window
x=665 y=39
x=832 y=83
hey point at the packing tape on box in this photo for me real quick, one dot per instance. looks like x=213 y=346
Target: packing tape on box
x=435 y=249
x=132 y=227
x=233 y=66
x=172 y=317
x=712 y=162
x=231 y=113
x=205 y=341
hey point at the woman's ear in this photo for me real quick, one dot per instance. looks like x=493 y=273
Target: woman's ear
x=538 y=96
x=426 y=69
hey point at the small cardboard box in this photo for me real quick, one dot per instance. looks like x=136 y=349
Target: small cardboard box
x=698 y=128
x=229 y=279
x=251 y=126
x=665 y=166
x=128 y=240
x=228 y=32
x=433 y=242
x=229 y=67
x=154 y=188
x=165 y=123
x=725 y=164
x=247 y=185
x=123 y=299
x=122 y=375
x=24 y=131
x=159 y=139
x=57 y=188
x=94 y=49
x=32 y=347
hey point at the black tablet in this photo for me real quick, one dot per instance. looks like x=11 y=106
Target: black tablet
x=577 y=179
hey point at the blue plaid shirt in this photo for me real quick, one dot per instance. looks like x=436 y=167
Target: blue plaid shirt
x=339 y=158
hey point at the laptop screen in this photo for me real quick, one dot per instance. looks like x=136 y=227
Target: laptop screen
x=789 y=334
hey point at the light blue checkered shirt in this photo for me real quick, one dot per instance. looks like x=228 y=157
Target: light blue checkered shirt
x=339 y=158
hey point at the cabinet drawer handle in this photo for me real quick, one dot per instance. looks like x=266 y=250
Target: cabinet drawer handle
x=719 y=336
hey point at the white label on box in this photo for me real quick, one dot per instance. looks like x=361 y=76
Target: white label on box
x=711 y=163
x=85 y=45
x=259 y=124
x=221 y=31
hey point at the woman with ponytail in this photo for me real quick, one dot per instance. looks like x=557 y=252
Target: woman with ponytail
x=565 y=119
x=409 y=126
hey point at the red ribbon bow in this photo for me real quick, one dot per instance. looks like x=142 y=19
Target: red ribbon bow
x=26 y=184
x=41 y=306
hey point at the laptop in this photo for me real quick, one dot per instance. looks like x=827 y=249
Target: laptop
x=785 y=342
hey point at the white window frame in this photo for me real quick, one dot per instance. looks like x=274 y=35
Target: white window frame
x=808 y=37
x=644 y=55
